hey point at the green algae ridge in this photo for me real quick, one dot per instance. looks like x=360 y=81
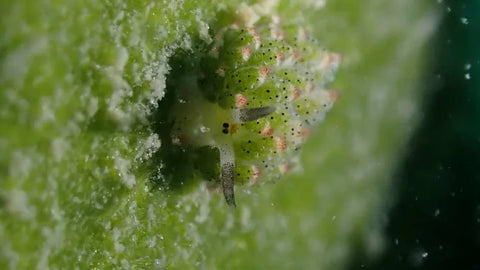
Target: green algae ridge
x=79 y=83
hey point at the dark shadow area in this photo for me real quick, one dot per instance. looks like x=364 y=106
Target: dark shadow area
x=179 y=166
x=435 y=223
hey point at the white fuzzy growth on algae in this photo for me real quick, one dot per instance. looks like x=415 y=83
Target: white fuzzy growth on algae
x=123 y=166
x=17 y=203
x=63 y=176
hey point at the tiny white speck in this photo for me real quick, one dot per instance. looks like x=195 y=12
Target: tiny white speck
x=464 y=20
x=437 y=212
x=425 y=254
x=468 y=66
x=467 y=76
x=334 y=217
x=204 y=129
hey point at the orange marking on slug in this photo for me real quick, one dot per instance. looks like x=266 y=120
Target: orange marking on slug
x=277 y=32
x=246 y=52
x=263 y=73
x=280 y=58
x=280 y=144
x=240 y=100
x=267 y=131
x=305 y=132
x=214 y=51
x=295 y=93
x=256 y=172
x=330 y=60
x=296 y=55
x=221 y=71
x=303 y=34
x=309 y=87
x=334 y=94
x=256 y=37
x=284 y=168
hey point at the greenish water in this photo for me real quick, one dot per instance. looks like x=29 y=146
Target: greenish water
x=435 y=223
x=81 y=84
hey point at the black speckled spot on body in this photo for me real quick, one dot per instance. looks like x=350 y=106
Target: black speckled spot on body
x=227 y=178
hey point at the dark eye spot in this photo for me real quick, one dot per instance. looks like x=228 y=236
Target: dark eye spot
x=225 y=131
x=225 y=125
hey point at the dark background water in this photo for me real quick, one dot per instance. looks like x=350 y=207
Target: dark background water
x=435 y=222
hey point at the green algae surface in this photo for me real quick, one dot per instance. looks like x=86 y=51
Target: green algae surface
x=81 y=182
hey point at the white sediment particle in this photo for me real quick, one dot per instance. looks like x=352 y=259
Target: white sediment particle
x=152 y=241
x=162 y=33
x=14 y=100
x=123 y=166
x=245 y=218
x=132 y=208
x=58 y=147
x=125 y=264
x=159 y=263
x=247 y=14
x=151 y=214
x=22 y=163
x=464 y=20
x=193 y=235
x=17 y=203
x=155 y=73
x=203 y=212
x=148 y=146
x=7 y=253
x=54 y=241
x=16 y=64
x=92 y=106
x=158 y=85
x=121 y=89
x=317 y=4
x=47 y=113
x=117 y=246
x=203 y=27
x=122 y=59
x=186 y=42
x=467 y=76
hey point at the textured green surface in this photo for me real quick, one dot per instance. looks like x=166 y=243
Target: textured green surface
x=79 y=82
